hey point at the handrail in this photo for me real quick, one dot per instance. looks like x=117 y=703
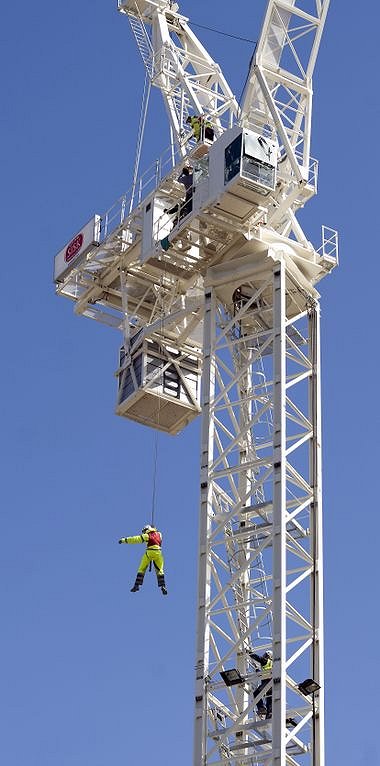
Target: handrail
x=162 y=167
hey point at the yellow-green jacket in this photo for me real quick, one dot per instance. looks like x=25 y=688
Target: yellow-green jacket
x=153 y=539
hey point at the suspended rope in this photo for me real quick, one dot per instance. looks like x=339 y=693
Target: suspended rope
x=155 y=451
x=155 y=443
x=143 y=116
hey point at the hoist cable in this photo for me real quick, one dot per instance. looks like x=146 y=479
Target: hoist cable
x=225 y=34
x=234 y=37
x=155 y=449
x=247 y=77
x=140 y=137
x=155 y=445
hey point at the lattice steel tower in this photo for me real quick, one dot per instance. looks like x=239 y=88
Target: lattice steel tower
x=212 y=281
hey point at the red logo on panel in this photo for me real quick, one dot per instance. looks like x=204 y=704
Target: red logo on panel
x=73 y=248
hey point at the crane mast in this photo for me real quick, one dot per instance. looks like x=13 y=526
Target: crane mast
x=214 y=293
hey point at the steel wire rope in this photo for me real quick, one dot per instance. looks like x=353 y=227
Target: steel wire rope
x=140 y=134
x=154 y=483
x=161 y=381
x=155 y=446
x=155 y=443
x=234 y=37
x=248 y=73
x=140 y=137
x=141 y=130
x=225 y=34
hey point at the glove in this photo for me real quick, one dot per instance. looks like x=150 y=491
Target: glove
x=122 y=540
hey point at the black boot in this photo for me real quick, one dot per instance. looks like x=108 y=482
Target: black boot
x=161 y=584
x=138 y=582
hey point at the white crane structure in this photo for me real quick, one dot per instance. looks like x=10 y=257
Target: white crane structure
x=213 y=287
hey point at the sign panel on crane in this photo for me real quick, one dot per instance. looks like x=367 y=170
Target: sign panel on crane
x=73 y=254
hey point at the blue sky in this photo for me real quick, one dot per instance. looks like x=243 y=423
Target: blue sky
x=92 y=675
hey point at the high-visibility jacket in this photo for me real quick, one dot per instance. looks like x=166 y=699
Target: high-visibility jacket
x=265 y=662
x=153 y=539
x=197 y=123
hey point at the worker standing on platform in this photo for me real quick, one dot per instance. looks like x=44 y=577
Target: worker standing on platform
x=186 y=178
x=202 y=129
x=264 y=706
x=153 y=538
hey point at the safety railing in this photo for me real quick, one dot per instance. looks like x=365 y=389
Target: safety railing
x=161 y=168
x=312 y=179
x=329 y=249
x=147 y=183
x=313 y=173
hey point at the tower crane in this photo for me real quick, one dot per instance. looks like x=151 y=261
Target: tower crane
x=215 y=294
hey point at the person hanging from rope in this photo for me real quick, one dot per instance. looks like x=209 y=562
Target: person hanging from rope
x=153 y=539
x=264 y=705
x=202 y=128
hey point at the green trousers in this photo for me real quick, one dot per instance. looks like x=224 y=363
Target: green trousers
x=155 y=555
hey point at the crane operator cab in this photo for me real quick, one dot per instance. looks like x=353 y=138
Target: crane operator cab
x=254 y=159
x=242 y=172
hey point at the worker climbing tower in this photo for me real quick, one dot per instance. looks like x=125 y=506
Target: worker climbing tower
x=213 y=285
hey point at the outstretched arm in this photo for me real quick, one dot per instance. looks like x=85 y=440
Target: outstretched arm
x=135 y=539
x=257 y=658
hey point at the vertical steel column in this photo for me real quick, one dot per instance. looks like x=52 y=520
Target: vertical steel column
x=317 y=669
x=239 y=455
x=243 y=359
x=203 y=631
x=279 y=517
x=124 y=303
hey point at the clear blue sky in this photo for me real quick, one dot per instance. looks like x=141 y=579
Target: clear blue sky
x=92 y=675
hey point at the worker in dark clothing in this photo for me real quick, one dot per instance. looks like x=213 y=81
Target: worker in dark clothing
x=264 y=706
x=153 y=539
x=186 y=178
x=202 y=128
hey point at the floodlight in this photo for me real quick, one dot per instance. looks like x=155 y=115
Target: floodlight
x=309 y=686
x=231 y=677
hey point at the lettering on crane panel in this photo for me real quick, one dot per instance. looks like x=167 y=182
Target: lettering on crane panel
x=75 y=251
